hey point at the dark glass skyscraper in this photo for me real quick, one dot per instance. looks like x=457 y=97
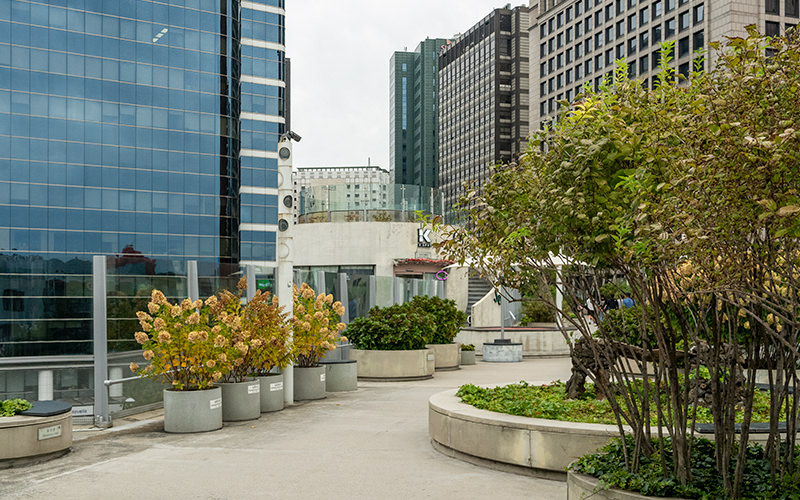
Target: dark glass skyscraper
x=413 y=115
x=142 y=130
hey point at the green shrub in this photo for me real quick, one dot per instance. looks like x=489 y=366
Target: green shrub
x=391 y=328
x=536 y=311
x=616 y=289
x=706 y=483
x=467 y=347
x=624 y=325
x=447 y=319
x=11 y=407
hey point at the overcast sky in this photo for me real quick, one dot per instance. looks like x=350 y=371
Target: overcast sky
x=340 y=53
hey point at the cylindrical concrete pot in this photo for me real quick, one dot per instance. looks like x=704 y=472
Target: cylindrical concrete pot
x=341 y=376
x=193 y=411
x=448 y=356
x=415 y=364
x=467 y=357
x=271 y=392
x=309 y=383
x=241 y=400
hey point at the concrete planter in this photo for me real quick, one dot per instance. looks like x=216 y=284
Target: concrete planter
x=506 y=352
x=241 y=400
x=192 y=411
x=467 y=357
x=271 y=392
x=341 y=376
x=415 y=364
x=24 y=440
x=448 y=356
x=581 y=486
x=309 y=383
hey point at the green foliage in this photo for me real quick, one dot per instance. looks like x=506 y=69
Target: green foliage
x=396 y=327
x=654 y=480
x=626 y=325
x=551 y=402
x=11 y=407
x=446 y=317
x=536 y=311
x=616 y=289
x=467 y=347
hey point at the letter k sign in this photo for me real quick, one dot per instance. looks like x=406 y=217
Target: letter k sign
x=423 y=237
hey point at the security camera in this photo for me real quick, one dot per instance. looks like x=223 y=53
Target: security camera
x=291 y=135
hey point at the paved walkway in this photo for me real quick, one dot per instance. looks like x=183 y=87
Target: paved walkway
x=367 y=444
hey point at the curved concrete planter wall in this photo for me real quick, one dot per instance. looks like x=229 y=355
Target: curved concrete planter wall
x=581 y=487
x=448 y=356
x=544 y=340
x=28 y=439
x=525 y=445
x=394 y=365
x=341 y=375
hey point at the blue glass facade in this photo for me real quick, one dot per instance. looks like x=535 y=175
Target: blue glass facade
x=136 y=129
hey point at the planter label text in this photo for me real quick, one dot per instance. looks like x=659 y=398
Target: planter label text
x=51 y=432
x=431 y=357
x=277 y=386
x=215 y=403
x=322 y=377
x=254 y=389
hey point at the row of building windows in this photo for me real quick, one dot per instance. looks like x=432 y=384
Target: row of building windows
x=790 y=7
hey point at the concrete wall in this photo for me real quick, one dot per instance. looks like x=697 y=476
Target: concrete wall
x=534 y=342
x=457 y=286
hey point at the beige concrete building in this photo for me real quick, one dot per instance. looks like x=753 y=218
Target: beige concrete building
x=578 y=41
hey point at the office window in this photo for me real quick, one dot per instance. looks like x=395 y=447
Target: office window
x=569 y=95
x=609 y=34
x=578 y=8
x=587 y=44
x=656 y=32
x=597 y=82
x=669 y=5
x=578 y=50
x=543 y=88
x=609 y=57
x=543 y=30
x=551 y=25
x=644 y=16
x=560 y=40
x=620 y=5
x=609 y=12
x=569 y=76
x=657 y=9
x=543 y=69
x=560 y=81
x=569 y=14
x=543 y=50
x=644 y=40
x=598 y=62
x=683 y=21
x=631 y=3
x=579 y=72
x=632 y=69
x=631 y=22
x=644 y=64
x=698 y=40
x=790 y=8
x=551 y=105
x=551 y=84
x=588 y=66
x=578 y=30
x=551 y=65
x=682 y=2
x=700 y=13
x=587 y=24
x=620 y=50
x=772 y=28
x=551 y=45
x=669 y=28
x=598 y=18
x=683 y=70
x=542 y=108
x=631 y=46
x=568 y=55
x=620 y=28
x=683 y=46
x=560 y=61
x=656 y=58
x=598 y=40
x=568 y=35
x=560 y=20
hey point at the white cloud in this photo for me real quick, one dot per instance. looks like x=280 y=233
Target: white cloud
x=340 y=53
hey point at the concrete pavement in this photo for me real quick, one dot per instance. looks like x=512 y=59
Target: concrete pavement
x=371 y=443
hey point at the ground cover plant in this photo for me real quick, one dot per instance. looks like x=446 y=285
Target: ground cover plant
x=688 y=194
x=551 y=402
x=11 y=407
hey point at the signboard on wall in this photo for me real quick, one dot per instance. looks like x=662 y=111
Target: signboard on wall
x=423 y=237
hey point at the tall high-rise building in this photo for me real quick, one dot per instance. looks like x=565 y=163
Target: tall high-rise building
x=413 y=114
x=140 y=130
x=574 y=42
x=483 y=99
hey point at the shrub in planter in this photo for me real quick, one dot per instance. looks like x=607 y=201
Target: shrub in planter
x=272 y=346
x=11 y=407
x=397 y=327
x=315 y=324
x=447 y=319
x=468 y=347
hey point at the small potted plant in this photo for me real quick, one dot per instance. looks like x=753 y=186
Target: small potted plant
x=316 y=328
x=271 y=350
x=467 y=354
x=183 y=351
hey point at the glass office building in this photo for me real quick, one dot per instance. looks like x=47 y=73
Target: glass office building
x=142 y=130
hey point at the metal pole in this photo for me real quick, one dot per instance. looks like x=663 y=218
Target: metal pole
x=344 y=298
x=250 y=271
x=192 y=282
x=100 y=342
x=502 y=315
x=285 y=251
x=398 y=290
x=45 y=387
x=320 y=282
